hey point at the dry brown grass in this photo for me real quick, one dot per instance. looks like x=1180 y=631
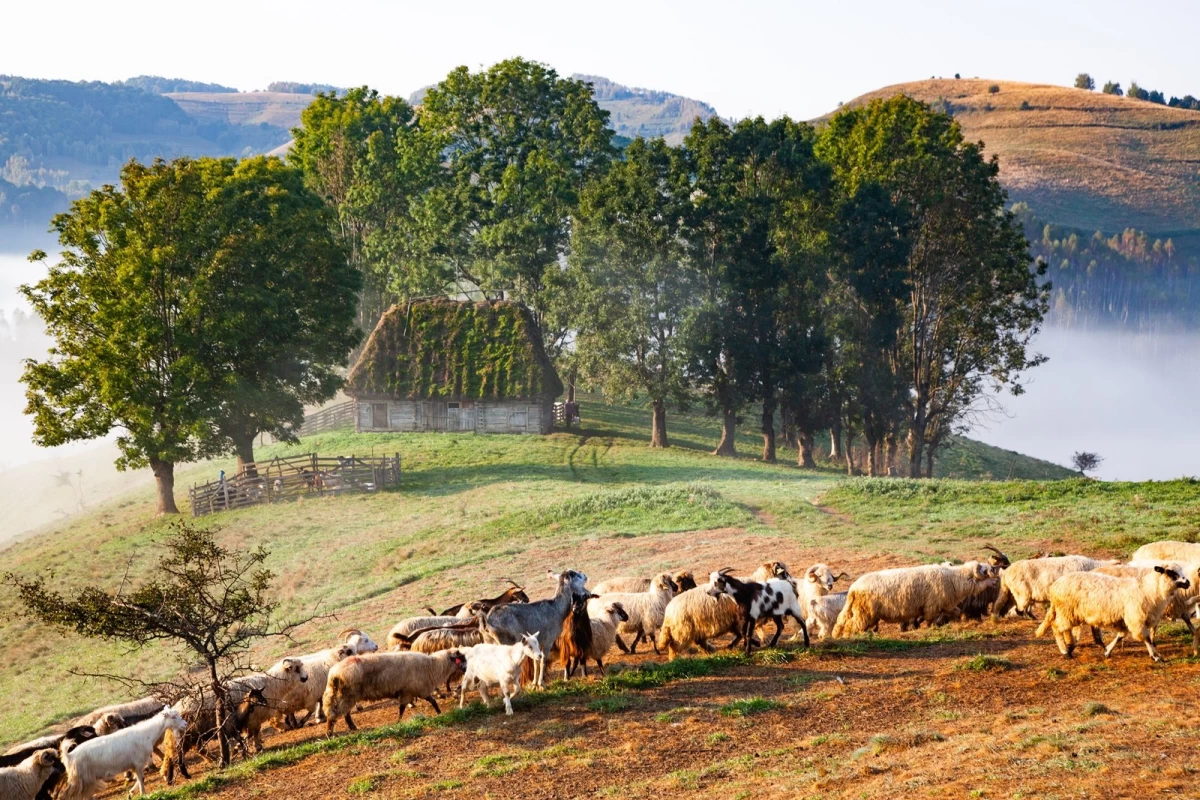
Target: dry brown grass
x=1079 y=158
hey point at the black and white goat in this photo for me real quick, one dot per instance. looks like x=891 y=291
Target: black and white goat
x=773 y=599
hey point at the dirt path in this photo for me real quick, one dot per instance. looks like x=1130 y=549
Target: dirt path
x=886 y=719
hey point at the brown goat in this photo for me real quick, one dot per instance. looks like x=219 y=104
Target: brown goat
x=575 y=643
x=513 y=594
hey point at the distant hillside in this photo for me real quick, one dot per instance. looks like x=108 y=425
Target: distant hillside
x=156 y=84
x=1081 y=159
x=644 y=112
x=279 y=110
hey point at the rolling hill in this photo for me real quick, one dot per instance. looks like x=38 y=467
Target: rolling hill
x=1081 y=159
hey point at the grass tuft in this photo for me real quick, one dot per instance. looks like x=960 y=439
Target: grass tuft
x=748 y=706
x=984 y=663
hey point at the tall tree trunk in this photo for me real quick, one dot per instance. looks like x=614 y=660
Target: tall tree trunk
x=728 y=431
x=892 y=443
x=872 y=450
x=164 y=478
x=768 y=430
x=806 y=448
x=835 y=439
x=916 y=445
x=849 y=451
x=929 y=462
x=243 y=445
x=571 y=387
x=658 y=424
x=787 y=423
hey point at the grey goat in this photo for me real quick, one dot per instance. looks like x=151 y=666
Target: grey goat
x=506 y=624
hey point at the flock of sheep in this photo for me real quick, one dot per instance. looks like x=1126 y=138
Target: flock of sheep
x=504 y=642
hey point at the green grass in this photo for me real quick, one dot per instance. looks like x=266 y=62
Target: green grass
x=984 y=663
x=749 y=706
x=468 y=503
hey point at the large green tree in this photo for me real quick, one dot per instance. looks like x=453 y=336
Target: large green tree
x=631 y=283
x=973 y=299
x=174 y=294
x=373 y=163
x=519 y=143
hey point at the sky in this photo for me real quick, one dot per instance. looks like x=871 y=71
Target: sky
x=745 y=58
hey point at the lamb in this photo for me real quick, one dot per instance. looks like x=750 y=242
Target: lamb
x=1027 y=582
x=498 y=665
x=25 y=780
x=823 y=613
x=645 y=611
x=693 y=617
x=683 y=580
x=1133 y=606
x=817 y=582
x=112 y=722
x=508 y=624
x=773 y=599
x=907 y=595
x=604 y=635
x=244 y=695
x=17 y=754
x=317 y=666
x=93 y=763
x=404 y=677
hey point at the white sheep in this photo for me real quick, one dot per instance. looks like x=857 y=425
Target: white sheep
x=604 y=634
x=645 y=610
x=403 y=677
x=97 y=761
x=683 y=580
x=1131 y=605
x=284 y=686
x=132 y=712
x=25 y=780
x=1187 y=552
x=498 y=665
x=693 y=617
x=1027 y=582
x=907 y=594
x=308 y=697
x=823 y=613
x=359 y=641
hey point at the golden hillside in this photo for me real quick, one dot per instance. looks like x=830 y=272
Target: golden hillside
x=1079 y=158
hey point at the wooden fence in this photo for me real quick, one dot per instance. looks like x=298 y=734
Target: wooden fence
x=294 y=477
x=329 y=419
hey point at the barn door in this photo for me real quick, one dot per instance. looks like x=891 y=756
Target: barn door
x=379 y=418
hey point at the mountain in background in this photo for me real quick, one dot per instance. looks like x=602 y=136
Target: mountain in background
x=645 y=112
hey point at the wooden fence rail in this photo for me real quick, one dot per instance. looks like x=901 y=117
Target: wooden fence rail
x=329 y=419
x=293 y=477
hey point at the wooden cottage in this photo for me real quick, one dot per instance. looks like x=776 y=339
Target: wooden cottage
x=445 y=365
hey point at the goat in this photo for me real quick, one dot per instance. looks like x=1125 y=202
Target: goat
x=404 y=677
x=773 y=599
x=93 y=763
x=575 y=643
x=509 y=623
x=26 y=779
x=604 y=634
x=498 y=665
x=1133 y=606
x=19 y=753
x=645 y=611
x=513 y=594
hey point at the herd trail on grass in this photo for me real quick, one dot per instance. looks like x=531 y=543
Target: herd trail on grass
x=504 y=644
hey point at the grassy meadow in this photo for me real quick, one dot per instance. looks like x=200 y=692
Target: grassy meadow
x=473 y=509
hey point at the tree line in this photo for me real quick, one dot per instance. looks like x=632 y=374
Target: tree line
x=1085 y=81
x=863 y=277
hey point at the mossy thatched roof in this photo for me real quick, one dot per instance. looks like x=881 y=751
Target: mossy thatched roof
x=445 y=349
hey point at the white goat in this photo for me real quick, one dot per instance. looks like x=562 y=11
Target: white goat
x=498 y=665
x=1133 y=606
x=95 y=762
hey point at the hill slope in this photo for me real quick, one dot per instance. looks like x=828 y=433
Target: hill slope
x=645 y=112
x=1082 y=159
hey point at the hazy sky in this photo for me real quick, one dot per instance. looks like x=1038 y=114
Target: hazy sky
x=745 y=58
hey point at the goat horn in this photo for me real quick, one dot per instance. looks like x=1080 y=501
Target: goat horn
x=350 y=632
